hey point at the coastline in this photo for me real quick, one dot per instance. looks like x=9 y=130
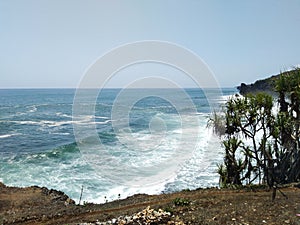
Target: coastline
x=38 y=145
x=36 y=205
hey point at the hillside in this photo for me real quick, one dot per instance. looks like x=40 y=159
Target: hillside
x=34 y=205
x=265 y=85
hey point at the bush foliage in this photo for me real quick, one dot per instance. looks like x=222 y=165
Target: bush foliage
x=261 y=141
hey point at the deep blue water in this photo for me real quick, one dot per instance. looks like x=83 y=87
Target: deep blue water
x=38 y=146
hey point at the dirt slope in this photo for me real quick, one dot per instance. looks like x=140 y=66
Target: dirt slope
x=34 y=205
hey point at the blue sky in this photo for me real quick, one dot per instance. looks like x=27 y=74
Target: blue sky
x=51 y=43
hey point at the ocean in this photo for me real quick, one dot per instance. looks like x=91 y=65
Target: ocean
x=139 y=151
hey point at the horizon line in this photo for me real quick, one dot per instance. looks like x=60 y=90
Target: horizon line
x=92 y=88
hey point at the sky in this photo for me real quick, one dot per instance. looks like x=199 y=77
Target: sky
x=52 y=43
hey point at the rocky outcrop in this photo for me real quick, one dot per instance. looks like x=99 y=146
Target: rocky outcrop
x=265 y=85
x=57 y=196
x=26 y=205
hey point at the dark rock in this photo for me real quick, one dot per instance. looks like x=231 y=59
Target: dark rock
x=69 y=201
x=2 y=185
x=265 y=85
x=57 y=196
x=45 y=190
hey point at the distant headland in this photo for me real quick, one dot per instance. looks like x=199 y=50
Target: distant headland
x=264 y=85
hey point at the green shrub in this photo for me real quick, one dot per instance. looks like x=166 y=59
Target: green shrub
x=181 y=202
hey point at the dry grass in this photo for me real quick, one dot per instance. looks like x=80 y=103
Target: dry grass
x=209 y=206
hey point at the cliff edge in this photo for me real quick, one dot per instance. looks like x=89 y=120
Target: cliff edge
x=267 y=85
x=264 y=85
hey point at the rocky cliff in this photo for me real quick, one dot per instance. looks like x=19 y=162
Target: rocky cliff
x=264 y=85
x=268 y=84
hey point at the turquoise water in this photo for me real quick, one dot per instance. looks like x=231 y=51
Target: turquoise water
x=38 y=146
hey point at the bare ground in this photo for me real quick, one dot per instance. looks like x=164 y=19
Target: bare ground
x=35 y=205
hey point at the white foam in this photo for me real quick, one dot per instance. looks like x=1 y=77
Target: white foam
x=63 y=115
x=6 y=135
x=71 y=173
x=225 y=98
x=51 y=173
x=32 y=109
x=62 y=133
x=122 y=192
x=101 y=117
x=50 y=123
x=104 y=122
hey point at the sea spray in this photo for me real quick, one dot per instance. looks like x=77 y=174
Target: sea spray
x=37 y=145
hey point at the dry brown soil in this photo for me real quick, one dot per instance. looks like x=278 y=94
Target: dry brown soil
x=34 y=205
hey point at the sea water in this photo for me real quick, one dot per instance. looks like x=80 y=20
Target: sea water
x=38 y=146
